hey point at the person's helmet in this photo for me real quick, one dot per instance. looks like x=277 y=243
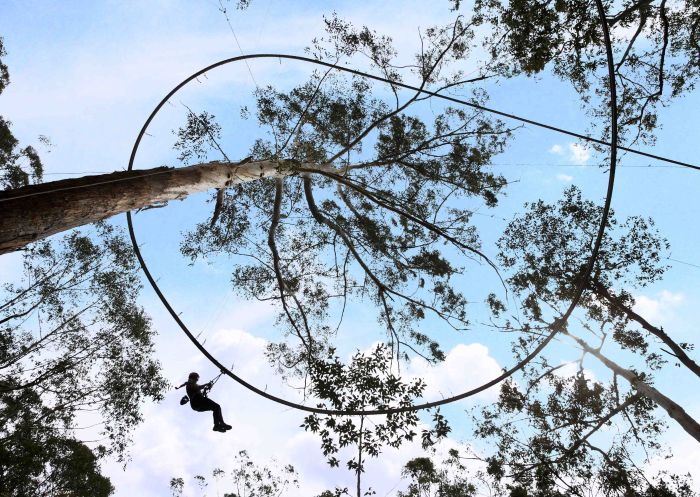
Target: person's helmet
x=193 y=376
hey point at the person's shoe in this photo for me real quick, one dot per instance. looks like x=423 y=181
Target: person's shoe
x=225 y=426
x=219 y=428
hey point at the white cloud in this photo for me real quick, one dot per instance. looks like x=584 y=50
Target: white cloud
x=176 y=441
x=660 y=308
x=556 y=149
x=465 y=367
x=565 y=178
x=579 y=154
x=686 y=454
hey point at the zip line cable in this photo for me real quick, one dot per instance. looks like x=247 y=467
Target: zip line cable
x=555 y=327
x=356 y=72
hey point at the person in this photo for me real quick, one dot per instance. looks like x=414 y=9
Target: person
x=201 y=403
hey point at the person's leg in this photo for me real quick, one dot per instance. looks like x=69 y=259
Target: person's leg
x=209 y=405
x=218 y=418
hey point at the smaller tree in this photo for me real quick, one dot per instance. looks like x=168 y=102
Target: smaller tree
x=37 y=459
x=450 y=479
x=72 y=341
x=19 y=166
x=367 y=382
x=559 y=435
x=547 y=249
x=247 y=478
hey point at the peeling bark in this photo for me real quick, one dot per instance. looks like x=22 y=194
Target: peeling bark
x=37 y=211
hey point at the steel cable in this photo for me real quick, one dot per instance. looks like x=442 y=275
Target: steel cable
x=554 y=328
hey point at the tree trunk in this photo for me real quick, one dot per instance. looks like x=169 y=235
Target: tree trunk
x=674 y=410
x=601 y=291
x=359 y=458
x=37 y=211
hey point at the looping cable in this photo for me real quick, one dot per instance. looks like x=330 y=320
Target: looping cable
x=554 y=328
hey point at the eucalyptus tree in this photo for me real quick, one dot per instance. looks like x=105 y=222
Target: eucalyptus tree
x=656 y=45
x=371 y=202
x=369 y=199
x=75 y=349
x=558 y=435
x=558 y=432
x=545 y=248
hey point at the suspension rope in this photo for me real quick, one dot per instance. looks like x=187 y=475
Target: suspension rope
x=554 y=328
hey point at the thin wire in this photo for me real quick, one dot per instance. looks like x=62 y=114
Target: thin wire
x=682 y=262
x=587 y=166
x=493 y=164
x=228 y=21
x=554 y=327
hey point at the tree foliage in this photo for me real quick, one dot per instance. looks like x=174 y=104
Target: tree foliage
x=375 y=201
x=656 y=46
x=367 y=382
x=570 y=435
x=558 y=433
x=244 y=479
x=75 y=349
x=19 y=166
x=37 y=457
x=449 y=478
x=546 y=248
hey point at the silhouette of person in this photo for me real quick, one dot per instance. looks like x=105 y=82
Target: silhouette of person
x=201 y=403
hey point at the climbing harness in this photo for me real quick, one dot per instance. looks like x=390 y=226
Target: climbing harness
x=207 y=386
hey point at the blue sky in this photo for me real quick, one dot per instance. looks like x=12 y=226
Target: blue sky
x=87 y=74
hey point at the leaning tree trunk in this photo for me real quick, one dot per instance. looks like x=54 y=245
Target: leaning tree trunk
x=675 y=411
x=34 y=212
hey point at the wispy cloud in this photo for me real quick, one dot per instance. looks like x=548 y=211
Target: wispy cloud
x=574 y=152
x=556 y=149
x=579 y=154
x=659 y=308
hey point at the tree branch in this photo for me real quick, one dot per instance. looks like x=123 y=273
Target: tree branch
x=278 y=273
x=675 y=411
x=600 y=290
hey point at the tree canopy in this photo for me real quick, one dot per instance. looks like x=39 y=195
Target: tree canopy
x=75 y=349
x=372 y=203
x=371 y=206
